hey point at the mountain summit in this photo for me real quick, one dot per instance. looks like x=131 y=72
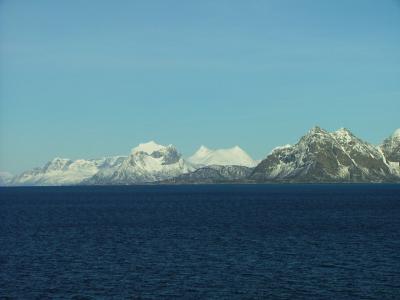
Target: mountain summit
x=223 y=157
x=148 y=148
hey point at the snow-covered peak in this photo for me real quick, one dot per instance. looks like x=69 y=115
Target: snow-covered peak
x=318 y=134
x=148 y=148
x=231 y=156
x=204 y=149
x=57 y=163
x=201 y=152
x=59 y=160
x=237 y=148
x=315 y=135
x=317 y=130
x=343 y=135
x=396 y=134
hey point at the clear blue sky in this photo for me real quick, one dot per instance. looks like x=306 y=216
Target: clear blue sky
x=83 y=79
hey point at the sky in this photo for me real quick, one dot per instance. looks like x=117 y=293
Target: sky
x=86 y=79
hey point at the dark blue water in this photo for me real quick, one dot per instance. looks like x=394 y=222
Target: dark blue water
x=222 y=242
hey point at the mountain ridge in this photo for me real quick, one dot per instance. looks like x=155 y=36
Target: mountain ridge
x=319 y=156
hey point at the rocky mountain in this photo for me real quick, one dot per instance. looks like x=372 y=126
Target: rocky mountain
x=223 y=157
x=320 y=156
x=148 y=162
x=212 y=174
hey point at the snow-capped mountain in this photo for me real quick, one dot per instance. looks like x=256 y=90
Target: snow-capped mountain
x=223 y=157
x=321 y=156
x=5 y=178
x=148 y=162
x=63 y=171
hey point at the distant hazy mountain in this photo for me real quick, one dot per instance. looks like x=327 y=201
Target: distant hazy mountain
x=5 y=178
x=213 y=174
x=321 y=156
x=62 y=171
x=148 y=162
x=223 y=157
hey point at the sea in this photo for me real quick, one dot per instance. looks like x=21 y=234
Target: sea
x=200 y=242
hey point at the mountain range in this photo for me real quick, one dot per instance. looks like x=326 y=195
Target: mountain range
x=318 y=157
